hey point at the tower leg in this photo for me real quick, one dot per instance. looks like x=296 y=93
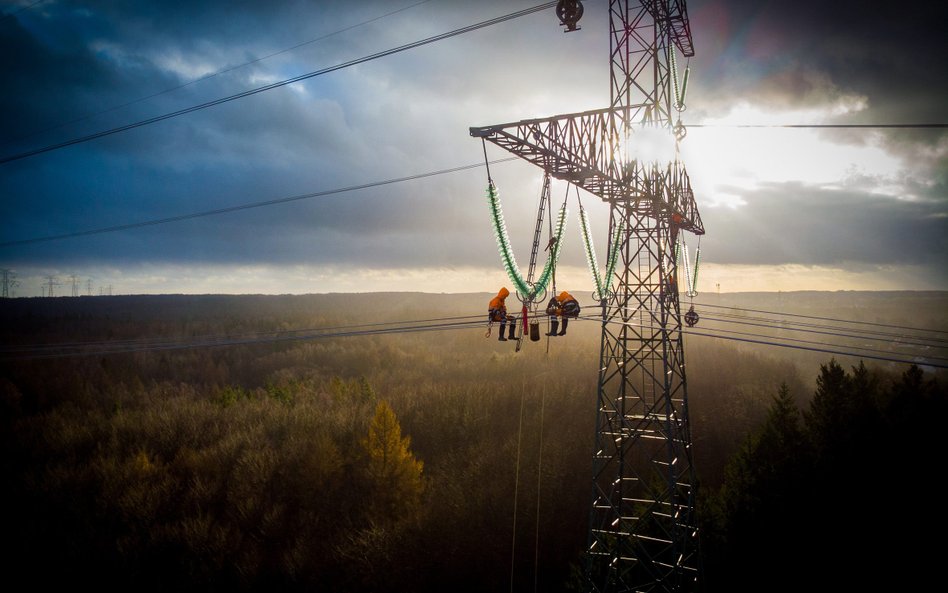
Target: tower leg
x=643 y=535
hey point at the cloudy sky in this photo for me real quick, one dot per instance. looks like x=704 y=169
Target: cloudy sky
x=784 y=209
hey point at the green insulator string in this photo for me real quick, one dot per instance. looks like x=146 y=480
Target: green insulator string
x=691 y=276
x=554 y=256
x=503 y=242
x=694 y=282
x=684 y=250
x=613 y=256
x=590 y=250
x=682 y=89
x=506 y=251
x=678 y=254
x=602 y=284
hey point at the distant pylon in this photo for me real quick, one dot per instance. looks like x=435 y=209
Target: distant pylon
x=74 y=282
x=9 y=282
x=51 y=281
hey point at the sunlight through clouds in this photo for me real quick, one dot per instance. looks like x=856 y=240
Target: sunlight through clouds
x=734 y=157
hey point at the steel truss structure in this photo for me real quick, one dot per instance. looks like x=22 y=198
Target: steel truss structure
x=643 y=535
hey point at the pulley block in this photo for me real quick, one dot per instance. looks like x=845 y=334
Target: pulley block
x=569 y=12
x=691 y=317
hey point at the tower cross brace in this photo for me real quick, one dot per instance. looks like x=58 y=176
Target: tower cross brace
x=642 y=532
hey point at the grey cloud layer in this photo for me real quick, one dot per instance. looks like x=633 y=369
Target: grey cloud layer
x=409 y=114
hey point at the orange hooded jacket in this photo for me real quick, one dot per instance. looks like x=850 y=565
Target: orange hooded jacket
x=497 y=309
x=566 y=305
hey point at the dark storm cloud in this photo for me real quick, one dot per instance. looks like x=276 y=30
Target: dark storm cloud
x=798 y=54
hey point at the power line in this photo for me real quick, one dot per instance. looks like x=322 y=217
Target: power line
x=842 y=352
x=922 y=329
x=210 y=338
x=253 y=341
x=281 y=83
x=812 y=331
x=21 y=9
x=693 y=332
x=800 y=327
x=225 y=210
x=783 y=340
x=47 y=351
x=799 y=341
x=219 y=72
x=850 y=126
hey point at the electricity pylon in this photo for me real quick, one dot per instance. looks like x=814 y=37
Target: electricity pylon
x=643 y=534
x=51 y=281
x=8 y=282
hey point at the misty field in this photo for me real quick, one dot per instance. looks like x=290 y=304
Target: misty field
x=209 y=443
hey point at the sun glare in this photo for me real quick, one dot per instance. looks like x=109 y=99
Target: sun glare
x=724 y=160
x=648 y=144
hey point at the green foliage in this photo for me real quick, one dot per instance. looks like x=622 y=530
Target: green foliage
x=231 y=394
x=280 y=392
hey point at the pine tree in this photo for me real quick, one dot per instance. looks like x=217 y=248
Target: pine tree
x=759 y=501
x=395 y=475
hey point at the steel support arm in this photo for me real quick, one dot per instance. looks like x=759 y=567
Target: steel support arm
x=583 y=148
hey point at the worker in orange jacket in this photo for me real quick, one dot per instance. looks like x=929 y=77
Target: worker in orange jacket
x=562 y=307
x=497 y=311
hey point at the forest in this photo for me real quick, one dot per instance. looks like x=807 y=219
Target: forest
x=140 y=456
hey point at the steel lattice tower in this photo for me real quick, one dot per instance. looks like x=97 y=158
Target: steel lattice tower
x=643 y=534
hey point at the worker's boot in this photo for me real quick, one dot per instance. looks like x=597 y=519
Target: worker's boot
x=554 y=324
x=513 y=328
x=500 y=336
x=563 y=329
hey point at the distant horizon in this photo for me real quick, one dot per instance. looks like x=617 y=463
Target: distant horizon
x=488 y=276
x=459 y=293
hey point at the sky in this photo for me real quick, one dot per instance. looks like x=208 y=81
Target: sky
x=784 y=209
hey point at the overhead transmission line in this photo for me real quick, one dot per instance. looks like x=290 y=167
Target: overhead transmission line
x=281 y=83
x=284 y=332
x=222 y=71
x=44 y=347
x=835 y=319
x=227 y=209
x=820 y=343
x=853 y=126
x=106 y=348
x=786 y=325
x=19 y=10
x=782 y=327
x=73 y=349
x=772 y=341
x=927 y=363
